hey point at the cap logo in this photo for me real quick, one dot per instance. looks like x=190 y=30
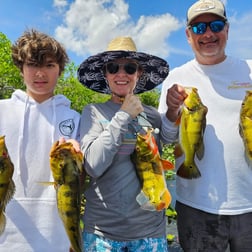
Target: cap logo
x=205 y=5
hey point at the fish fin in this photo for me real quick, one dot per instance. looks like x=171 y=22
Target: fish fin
x=10 y=192
x=178 y=151
x=178 y=121
x=2 y=222
x=248 y=158
x=166 y=200
x=188 y=172
x=201 y=150
x=46 y=183
x=161 y=206
x=241 y=131
x=167 y=165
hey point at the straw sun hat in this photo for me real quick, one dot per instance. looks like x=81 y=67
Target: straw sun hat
x=90 y=72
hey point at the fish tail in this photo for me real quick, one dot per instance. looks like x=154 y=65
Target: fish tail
x=2 y=222
x=166 y=200
x=189 y=172
x=76 y=243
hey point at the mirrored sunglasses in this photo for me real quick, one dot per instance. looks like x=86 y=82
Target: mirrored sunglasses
x=201 y=27
x=129 y=68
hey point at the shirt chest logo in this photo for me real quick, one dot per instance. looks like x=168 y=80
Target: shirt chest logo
x=67 y=127
x=236 y=84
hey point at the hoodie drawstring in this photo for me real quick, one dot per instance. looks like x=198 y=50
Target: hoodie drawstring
x=21 y=136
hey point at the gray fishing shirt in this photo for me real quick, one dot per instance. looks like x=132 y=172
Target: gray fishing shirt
x=108 y=137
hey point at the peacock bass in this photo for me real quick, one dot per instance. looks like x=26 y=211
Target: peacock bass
x=66 y=167
x=191 y=131
x=245 y=125
x=7 y=186
x=154 y=195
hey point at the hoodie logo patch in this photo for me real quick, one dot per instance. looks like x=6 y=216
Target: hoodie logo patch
x=67 y=127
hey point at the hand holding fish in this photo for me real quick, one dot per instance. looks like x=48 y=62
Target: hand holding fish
x=75 y=143
x=174 y=99
x=132 y=105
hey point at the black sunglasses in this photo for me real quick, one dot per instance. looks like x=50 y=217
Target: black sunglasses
x=129 y=68
x=201 y=27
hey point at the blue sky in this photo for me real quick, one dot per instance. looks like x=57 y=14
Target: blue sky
x=86 y=26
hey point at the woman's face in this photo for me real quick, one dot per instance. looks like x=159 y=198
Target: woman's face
x=122 y=76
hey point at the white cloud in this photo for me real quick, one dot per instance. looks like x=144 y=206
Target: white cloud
x=89 y=25
x=240 y=36
x=151 y=32
x=60 y=3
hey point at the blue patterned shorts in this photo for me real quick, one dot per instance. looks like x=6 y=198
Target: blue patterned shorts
x=95 y=243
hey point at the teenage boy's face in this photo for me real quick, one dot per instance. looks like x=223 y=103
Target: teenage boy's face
x=40 y=81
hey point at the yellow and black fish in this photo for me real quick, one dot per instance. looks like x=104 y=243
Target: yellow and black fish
x=67 y=169
x=245 y=125
x=191 y=131
x=7 y=186
x=154 y=195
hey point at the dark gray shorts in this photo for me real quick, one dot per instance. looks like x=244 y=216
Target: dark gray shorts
x=203 y=232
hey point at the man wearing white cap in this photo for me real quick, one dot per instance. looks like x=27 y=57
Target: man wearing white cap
x=215 y=209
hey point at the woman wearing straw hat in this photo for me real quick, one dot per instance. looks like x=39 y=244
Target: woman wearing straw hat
x=113 y=220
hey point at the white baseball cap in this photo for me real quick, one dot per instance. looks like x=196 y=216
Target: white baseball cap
x=215 y=7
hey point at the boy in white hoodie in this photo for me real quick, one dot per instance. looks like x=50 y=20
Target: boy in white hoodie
x=31 y=122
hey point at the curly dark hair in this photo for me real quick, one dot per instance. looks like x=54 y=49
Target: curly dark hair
x=35 y=46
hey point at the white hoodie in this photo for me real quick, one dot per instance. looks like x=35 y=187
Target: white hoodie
x=30 y=129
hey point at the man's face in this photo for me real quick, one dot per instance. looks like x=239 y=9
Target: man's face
x=209 y=47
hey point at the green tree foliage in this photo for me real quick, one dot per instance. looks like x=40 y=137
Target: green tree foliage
x=10 y=78
x=79 y=95
x=151 y=97
x=68 y=84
